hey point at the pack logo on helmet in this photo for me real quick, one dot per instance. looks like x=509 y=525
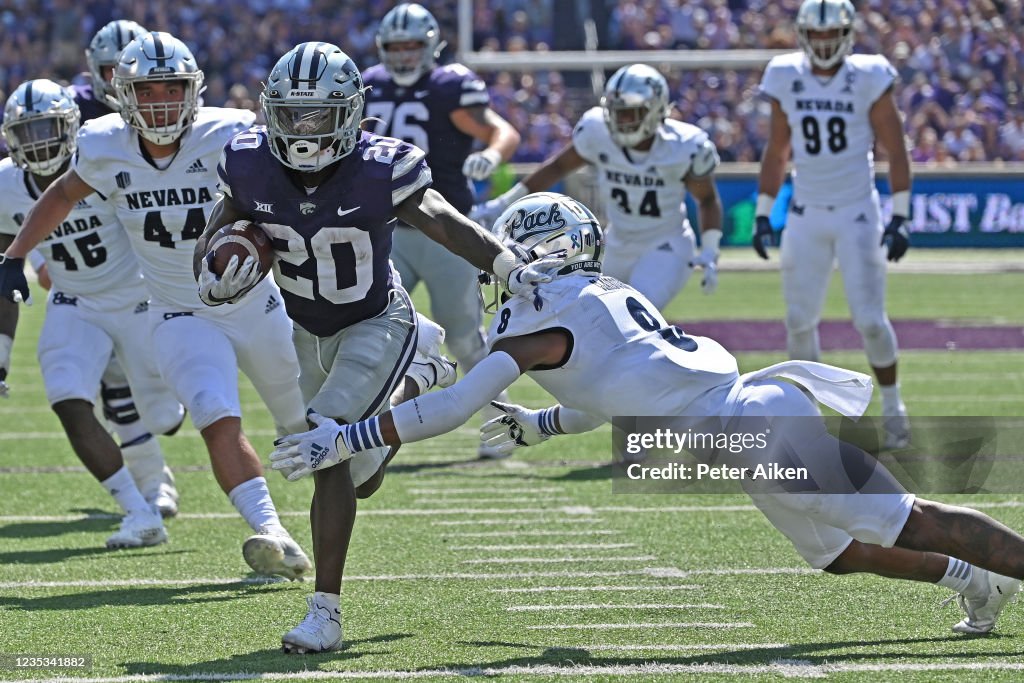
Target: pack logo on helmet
x=524 y=224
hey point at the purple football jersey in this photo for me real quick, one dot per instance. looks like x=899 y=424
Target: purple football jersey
x=89 y=106
x=333 y=245
x=421 y=115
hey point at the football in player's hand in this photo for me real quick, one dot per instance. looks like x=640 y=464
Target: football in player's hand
x=241 y=239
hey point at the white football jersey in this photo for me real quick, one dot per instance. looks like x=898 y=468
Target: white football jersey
x=644 y=192
x=163 y=211
x=88 y=254
x=625 y=359
x=832 y=138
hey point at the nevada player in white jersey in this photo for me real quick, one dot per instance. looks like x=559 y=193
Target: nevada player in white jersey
x=645 y=164
x=828 y=109
x=96 y=307
x=602 y=349
x=156 y=162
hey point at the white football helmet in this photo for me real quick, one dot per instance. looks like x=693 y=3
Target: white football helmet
x=409 y=22
x=313 y=101
x=545 y=223
x=825 y=15
x=157 y=57
x=103 y=50
x=635 y=103
x=41 y=126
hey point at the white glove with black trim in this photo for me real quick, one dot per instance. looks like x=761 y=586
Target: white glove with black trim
x=518 y=427
x=481 y=165
x=232 y=285
x=299 y=455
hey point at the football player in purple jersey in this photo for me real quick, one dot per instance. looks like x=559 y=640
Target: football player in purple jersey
x=328 y=193
x=443 y=110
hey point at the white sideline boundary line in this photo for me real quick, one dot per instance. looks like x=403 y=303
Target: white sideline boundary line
x=655 y=624
x=596 y=589
x=780 y=667
x=678 y=648
x=606 y=606
x=558 y=546
x=557 y=560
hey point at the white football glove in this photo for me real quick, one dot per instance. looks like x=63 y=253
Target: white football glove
x=708 y=262
x=480 y=165
x=518 y=427
x=485 y=214
x=299 y=455
x=6 y=343
x=232 y=285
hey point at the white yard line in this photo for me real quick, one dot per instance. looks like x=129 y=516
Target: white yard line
x=606 y=606
x=557 y=560
x=656 y=624
x=504 y=490
x=679 y=648
x=515 y=521
x=657 y=572
x=779 y=668
x=478 y=501
x=548 y=546
x=514 y=534
x=596 y=589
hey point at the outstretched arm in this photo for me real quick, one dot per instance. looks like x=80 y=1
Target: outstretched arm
x=424 y=416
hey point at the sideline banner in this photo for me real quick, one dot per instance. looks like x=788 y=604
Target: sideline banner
x=974 y=211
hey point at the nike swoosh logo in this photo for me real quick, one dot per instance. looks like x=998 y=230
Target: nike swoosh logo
x=421 y=93
x=343 y=212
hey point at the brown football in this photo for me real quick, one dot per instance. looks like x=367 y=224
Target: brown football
x=242 y=239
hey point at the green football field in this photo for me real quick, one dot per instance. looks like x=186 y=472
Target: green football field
x=524 y=569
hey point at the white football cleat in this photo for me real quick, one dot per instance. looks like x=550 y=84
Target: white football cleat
x=896 y=424
x=982 y=612
x=139 y=528
x=320 y=631
x=272 y=552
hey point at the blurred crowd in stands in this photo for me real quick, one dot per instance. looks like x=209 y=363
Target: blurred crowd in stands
x=960 y=61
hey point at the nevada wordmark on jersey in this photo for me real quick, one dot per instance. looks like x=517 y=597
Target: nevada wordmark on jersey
x=163 y=210
x=333 y=245
x=88 y=253
x=422 y=112
x=644 y=193
x=829 y=118
x=624 y=359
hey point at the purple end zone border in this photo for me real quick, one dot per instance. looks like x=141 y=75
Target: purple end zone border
x=840 y=335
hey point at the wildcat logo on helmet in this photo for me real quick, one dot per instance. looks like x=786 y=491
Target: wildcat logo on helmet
x=523 y=223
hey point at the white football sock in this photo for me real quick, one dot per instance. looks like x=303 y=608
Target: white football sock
x=890 y=397
x=958 y=575
x=122 y=487
x=252 y=500
x=332 y=600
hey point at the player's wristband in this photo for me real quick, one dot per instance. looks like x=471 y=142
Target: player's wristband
x=765 y=202
x=901 y=203
x=504 y=264
x=36 y=259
